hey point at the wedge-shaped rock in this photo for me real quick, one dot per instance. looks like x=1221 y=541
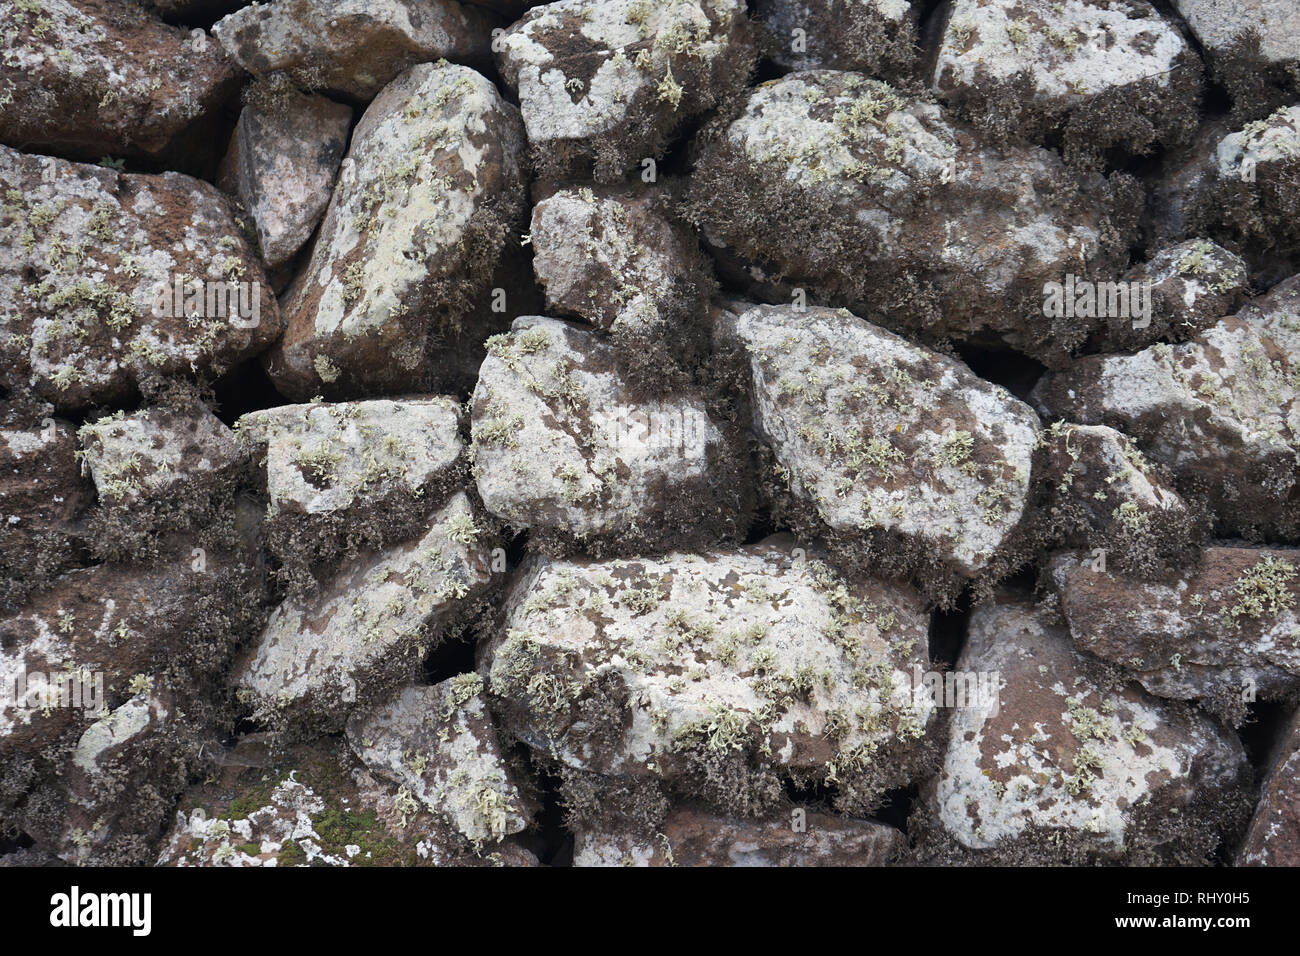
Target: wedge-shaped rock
x=87 y=77
x=859 y=196
x=43 y=495
x=620 y=260
x=355 y=47
x=367 y=628
x=1277 y=314
x=603 y=84
x=159 y=454
x=353 y=474
x=1218 y=410
x=440 y=744
x=719 y=674
x=281 y=165
x=1111 y=72
x=879 y=436
x=1186 y=288
x=312 y=804
x=1096 y=490
x=696 y=838
x=1064 y=766
x=1223 y=635
x=1274 y=835
x=563 y=445
x=876 y=37
x=426 y=197
x=109 y=279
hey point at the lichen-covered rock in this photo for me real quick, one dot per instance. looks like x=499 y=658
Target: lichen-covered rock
x=312 y=804
x=604 y=84
x=692 y=837
x=353 y=475
x=439 y=743
x=884 y=442
x=1096 y=490
x=91 y=642
x=876 y=37
x=1273 y=838
x=1253 y=45
x=354 y=47
x=1066 y=768
x=619 y=259
x=158 y=453
x=1103 y=73
x=87 y=77
x=718 y=675
x=1223 y=634
x=1187 y=287
x=108 y=281
x=565 y=446
x=1218 y=410
x=1277 y=314
x=367 y=628
x=862 y=197
x=43 y=496
x=281 y=165
x=429 y=193
x=1255 y=170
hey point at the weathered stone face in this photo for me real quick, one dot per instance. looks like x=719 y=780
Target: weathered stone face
x=1065 y=760
x=563 y=444
x=1224 y=634
x=603 y=85
x=1274 y=835
x=876 y=37
x=367 y=628
x=1218 y=410
x=426 y=198
x=878 y=435
x=355 y=47
x=440 y=744
x=695 y=838
x=281 y=165
x=90 y=264
x=863 y=197
x=755 y=658
x=86 y=78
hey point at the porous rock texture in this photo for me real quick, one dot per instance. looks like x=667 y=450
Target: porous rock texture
x=639 y=433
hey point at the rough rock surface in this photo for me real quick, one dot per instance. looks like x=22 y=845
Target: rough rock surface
x=87 y=77
x=1253 y=45
x=426 y=197
x=367 y=628
x=876 y=37
x=844 y=187
x=440 y=744
x=352 y=475
x=885 y=441
x=43 y=496
x=281 y=165
x=312 y=804
x=1274 y=835
x=1277 y=314
x=718 y=674
x=90 y=263
x=565 y=446
x=1071 y=766
x=1101 y=72
x=603 y=84
x=1224 y=634
x=353 y=47
x=695 y=838
x=1219 y=410
x=619 y=259
x=1096 y=490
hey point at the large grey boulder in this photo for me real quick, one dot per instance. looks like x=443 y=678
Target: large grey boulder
x=876 y=37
